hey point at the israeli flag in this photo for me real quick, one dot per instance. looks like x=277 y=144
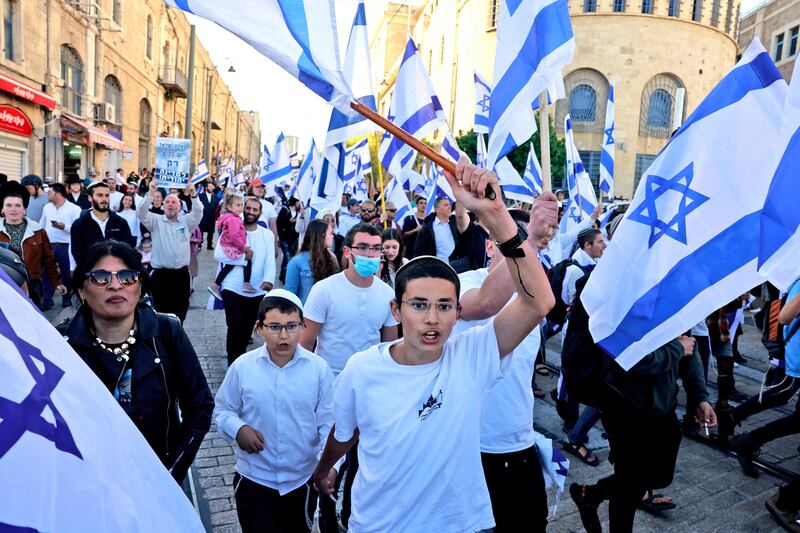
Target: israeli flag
x=264 y=157
x=780 y=217
x=523 y=188
x=582 y=199
x=414 y=107
x=360 y=190
x=239 y=179
x=689 y=242
x=555 y=467
x=480 y=152
x=278 y=166
x=394 y=193
x=412 y=180
x=364 y=156
x=200 y=173
x=439 y=186
x=70 y=458
x=299 y=35
x=534 y=44
x=607 y=149
x=307 y=175
x=533 y=172
x=483 y=95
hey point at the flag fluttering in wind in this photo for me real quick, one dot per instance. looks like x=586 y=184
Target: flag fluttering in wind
x=278 y=166
x=299 y=35
x=70 y=458
x=534 y=43
x=307 y=175
x=582 y=199
x=483 y=95
x=533 y=172
x=394 y=194
x=607 y=149
x=689 y=242
x=200 y=173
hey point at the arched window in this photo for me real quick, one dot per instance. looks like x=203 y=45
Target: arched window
x=148 y=49
x=113 y=96
x=72 y=74
x=145 y=113
x=583 y=104
x=177 y=130
x=657 y=110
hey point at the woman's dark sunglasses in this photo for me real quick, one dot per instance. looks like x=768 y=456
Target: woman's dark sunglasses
x=102 y=278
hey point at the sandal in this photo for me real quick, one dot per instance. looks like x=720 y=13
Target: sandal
x=542 y=370
x=587 y=510
x=650 y=504
x=587 y=457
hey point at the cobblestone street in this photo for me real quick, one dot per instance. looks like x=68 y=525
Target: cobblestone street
x=709 y=488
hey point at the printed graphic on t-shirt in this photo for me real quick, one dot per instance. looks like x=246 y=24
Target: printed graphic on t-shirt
x=430 y=405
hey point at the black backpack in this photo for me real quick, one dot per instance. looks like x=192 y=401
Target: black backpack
x=585 y=367
x=558 y=314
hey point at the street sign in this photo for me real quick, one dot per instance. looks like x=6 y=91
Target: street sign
x=172 y=162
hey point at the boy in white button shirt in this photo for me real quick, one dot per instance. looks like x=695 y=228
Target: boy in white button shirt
x=275 y=403
x=415 y=405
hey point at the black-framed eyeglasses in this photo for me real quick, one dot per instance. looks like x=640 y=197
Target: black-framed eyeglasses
x=365 y=249
x=275 y=329
x=423 y=306
x=102 y=278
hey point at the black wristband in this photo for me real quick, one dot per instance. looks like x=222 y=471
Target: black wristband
x=511 y=248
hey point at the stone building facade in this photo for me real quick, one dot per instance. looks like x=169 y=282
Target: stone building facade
x=658 y=53
x=99 y=80
x=776 y=24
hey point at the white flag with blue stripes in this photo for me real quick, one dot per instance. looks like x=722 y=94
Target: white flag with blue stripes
x=394 y=193
x=780 y=218
x=307 y=175
x=483 y=95
x=689 y=242
x=607 y=149
x=582 y=199
x=534 y=44
x=533 y=172
x=71 y=460
x=299 y=35
x=278 y=166
x=200 y=173
x=439 y=188
x=414 y=107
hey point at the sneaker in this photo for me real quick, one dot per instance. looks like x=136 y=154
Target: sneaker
x=737 y=396
x=787 y=519
x=587 y=510
x=745 y=453
x=215 y=293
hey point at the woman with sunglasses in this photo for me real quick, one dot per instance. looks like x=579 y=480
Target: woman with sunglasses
x=144 y=358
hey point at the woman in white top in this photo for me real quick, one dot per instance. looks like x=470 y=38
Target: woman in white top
x=393 y=257
x=127 y=210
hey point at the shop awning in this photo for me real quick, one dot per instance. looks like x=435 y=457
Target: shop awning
x=97 y=135
x=26 y=92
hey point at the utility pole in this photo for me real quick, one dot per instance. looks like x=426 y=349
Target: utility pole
x=190 y=95
x=209 y=90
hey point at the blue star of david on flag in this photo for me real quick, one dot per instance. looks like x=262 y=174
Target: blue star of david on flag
x=609 y=133
x=484 y=103
x=573 y=214
x=647 y=213
x=16 y=419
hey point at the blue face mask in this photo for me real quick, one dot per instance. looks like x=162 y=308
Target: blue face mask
x=366 y=266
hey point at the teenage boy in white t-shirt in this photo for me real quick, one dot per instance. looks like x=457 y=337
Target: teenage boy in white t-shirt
x=275 y=403
x=415 y=405
x=347 y=313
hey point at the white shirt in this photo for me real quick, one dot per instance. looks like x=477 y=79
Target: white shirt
x=559 y=247
x=267 y=211
x=418 y=449
x=101 y=223
x=114 y=199
x=290 y=406
x=573 y=274
x=133 y=221
x=351 y=317
x=262 y=242
x=507 y=424
x=347 y=221
x=170 y=239
x=66 y=214
x=444 y=239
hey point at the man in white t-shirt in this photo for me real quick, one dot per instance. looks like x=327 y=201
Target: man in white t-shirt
x=269 y=216
x=347 y=313
x=415 y=405
x=349 y=218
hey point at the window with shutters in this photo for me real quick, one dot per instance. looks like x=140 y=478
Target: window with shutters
x=778 y=47
x=587 y=92
x=494 y=6
x=113 y=95
x=583 y=104
x=793 y=41
x=145 y=113
x=647 y=7
x=697 y=10
x=589 y=6
x=674 y=8
x=148 y=47
x=728 y=16
x=715 y=7
x=643 y=162
x=658 y=106
x=72 y=74
x=619 y=6
x=116 y=11
x=11 y=49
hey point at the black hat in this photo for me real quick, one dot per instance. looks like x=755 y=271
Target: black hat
x=16 y=188
x=74 y=178
x=31 y=179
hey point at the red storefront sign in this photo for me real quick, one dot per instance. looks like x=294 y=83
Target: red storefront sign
x=14 y=121
x=26 y=92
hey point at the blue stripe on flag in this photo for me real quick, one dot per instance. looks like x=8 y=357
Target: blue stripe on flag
x=586 y=205
x=184 y=5
x=294 y=15
x=340 y=120
x=781 y=216
x=538 y=45
x=413 y=124
x=607 y=162
x=277 y=174
x=409 y=52
x=712 y=262
x=361 y=17
x=512 y=5
x=481 y=120
x=757 y=74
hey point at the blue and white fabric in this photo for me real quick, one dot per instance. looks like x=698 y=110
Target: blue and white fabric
x=607 y=148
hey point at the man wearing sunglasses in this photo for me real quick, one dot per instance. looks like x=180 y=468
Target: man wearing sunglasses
x=368 y=212
x=345 y=314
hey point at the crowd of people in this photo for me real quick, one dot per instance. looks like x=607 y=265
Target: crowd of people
x=399 y=358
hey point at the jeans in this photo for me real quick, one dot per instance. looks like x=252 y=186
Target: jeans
x=782 y=427
x=779 y=390
x=579 y=434
x=171 y=290
x=61 y=253
x=241 y=313
x=262 y=509
x=516 y=488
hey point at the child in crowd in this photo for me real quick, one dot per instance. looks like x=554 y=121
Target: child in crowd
x=233 y=241
x=145 y=249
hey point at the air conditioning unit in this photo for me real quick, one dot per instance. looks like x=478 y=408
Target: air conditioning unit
x=106 y=113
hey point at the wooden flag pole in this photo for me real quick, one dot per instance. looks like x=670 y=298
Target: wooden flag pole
x=380 y=182
x=544 y=142
x=410 y=140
